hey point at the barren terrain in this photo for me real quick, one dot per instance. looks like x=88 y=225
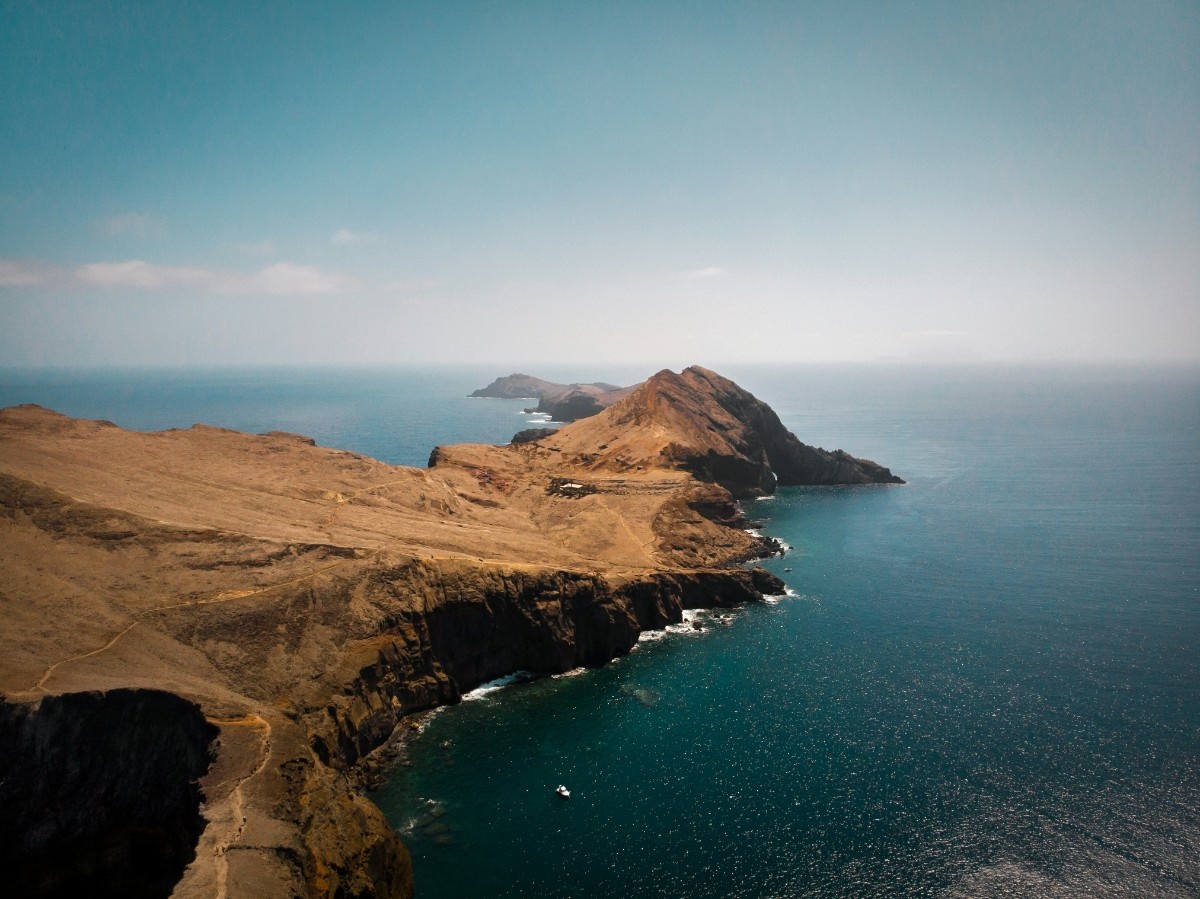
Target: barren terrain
x=305 y=599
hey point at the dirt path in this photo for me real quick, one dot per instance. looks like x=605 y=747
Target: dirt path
x=237 y=811
x=41 y=684
x=223 y=596
x=628 y=530
x=343 y=499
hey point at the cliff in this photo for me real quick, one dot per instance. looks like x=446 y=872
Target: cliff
x=106 y=781
x=294 y=603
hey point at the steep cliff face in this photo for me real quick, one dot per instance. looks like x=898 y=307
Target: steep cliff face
x=528 y=435
x=98 y=792
x=466 y=625
x=347 y=849
x=761 y=434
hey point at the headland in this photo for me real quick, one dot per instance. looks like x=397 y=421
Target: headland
x=208 y=634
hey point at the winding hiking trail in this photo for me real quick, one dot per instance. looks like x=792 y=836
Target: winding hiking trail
x=237 y=814
x=222 y=597
x=41 y=684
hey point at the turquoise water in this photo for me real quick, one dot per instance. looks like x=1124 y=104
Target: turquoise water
x=987 y=683
x=396 y=415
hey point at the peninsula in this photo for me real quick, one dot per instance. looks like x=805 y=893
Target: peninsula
x=206 y=633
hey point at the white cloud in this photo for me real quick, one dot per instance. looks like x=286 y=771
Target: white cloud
x=344 y=237
x=259 y=248
x=289 y=278
x=279 y=279
x=14 y=273
x=145 y=275
x=138 y=224
x=711 y=271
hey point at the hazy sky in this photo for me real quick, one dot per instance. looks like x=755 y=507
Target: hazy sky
x=653 y=182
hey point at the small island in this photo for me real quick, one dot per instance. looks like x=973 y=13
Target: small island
x=562 y=402
x=211 y=636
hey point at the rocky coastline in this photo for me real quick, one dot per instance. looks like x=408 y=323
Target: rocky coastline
x=273 y=611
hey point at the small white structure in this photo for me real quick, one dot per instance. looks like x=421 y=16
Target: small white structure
x=563 y=791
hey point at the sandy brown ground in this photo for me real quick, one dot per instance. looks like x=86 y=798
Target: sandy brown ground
x=130 y=558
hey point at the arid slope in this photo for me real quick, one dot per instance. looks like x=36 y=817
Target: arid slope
x=305 y=599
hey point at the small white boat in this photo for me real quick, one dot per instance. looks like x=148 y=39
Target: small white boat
x=563 y=791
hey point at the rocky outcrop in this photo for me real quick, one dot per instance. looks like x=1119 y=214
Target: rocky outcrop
x=705 y=424
x=532 y=435
x=99 y=794
x=763 y=436
x=580 y=402
x=346 y=848
x=573 y=405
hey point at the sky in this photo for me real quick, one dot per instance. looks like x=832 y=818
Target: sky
x=205 y=183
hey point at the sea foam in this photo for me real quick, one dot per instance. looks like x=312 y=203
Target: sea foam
x=492 y=686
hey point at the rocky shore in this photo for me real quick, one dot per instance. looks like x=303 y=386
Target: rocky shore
x=245 y=619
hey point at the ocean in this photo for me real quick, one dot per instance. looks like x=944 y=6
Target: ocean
x=985 y=682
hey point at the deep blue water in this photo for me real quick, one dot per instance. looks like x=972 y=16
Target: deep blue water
x=987 y=683
x=396 y=415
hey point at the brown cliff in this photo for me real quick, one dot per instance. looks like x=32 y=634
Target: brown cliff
x=305 y=599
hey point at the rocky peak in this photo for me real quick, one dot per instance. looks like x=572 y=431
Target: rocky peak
x=704 y=423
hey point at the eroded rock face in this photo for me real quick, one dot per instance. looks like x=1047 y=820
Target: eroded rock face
x=477 y=624
x=98 y=792
x=762 y=434
x=348 y=849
